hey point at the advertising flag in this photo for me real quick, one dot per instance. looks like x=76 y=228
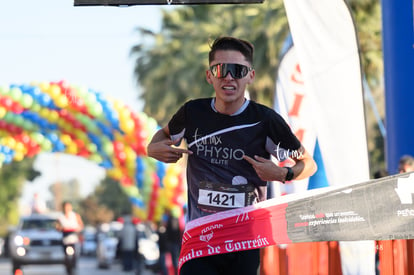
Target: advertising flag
x=326 y=46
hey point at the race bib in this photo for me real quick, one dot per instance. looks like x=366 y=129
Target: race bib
x=214 y=197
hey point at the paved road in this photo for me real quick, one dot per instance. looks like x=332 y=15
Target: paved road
x=87 y=266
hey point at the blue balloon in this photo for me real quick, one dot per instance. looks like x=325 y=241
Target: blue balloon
x=138 y=202
x=139 y=177
x=44 y=100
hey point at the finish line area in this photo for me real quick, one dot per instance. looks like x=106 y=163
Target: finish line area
x=379 y=209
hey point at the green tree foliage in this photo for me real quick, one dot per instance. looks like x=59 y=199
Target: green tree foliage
x=367 y=15
x=170 y=65
x=107 y=202
x=12 y=178
x=94 y=213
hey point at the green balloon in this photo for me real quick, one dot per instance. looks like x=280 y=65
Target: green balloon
x=96 y=158
x=8 y=117
x=16 y=93
x=46 y=145
x=95 y=109
x=37 y=137
x=28 y=125
x=93 y=148
x=18 y=120
x=35 y=107
x=4 y=90
x=90 y=98
x=26 y=101
x=108 y=148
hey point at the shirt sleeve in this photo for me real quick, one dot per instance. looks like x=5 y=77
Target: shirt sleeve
x=177 y=124
x=281 y=141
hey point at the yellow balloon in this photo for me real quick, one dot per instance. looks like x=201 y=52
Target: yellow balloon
x=72 y=149
x=10 y=142
x=66 y=139
x=44 y=86
x=54 y=91
x=158 y=216
x=127 y=125
x=18 y=156
x=61 y=101
x=19 y=147
x=131 y=166
x=44 y=112
x=130 y=154
x=118 y=105
x=115 y=173
x=3 y=112
x=173 y=169
x=139 y=213
x=163 y=200
x=124 y=113
x=53 y=116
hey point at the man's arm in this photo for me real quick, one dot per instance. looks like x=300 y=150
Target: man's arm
x=161 y=147
x=267 y=170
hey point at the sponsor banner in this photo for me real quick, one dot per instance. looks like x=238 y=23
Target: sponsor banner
x=381 y=209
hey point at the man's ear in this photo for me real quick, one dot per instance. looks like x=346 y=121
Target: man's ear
x=208 y=77
x=251 y=76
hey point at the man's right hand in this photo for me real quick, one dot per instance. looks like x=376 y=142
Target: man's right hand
x=164 y=151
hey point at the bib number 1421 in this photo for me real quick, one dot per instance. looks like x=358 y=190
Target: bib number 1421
x=221 y=199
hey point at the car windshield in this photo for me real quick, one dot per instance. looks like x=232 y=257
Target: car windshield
x=44 y=224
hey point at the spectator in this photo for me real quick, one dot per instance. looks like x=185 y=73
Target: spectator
x=406 y=164
x=174 y=235
x=128 y=245
x=163 y=246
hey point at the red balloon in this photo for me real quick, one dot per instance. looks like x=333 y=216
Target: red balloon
x=25 y=139
x=141 y=149
x=16 y=108
x=7 y=102
x=118 y=146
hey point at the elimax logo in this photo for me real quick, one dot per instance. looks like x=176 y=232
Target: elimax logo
x=283 y=154
x=405 y=189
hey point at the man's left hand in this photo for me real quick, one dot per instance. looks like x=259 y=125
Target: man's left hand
x=266 y=169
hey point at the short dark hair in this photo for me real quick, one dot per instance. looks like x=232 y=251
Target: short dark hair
x=231 y=43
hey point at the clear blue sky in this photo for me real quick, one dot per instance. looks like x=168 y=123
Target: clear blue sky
x=51 y=40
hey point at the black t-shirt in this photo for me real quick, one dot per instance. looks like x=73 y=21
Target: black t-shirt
x=218 y=177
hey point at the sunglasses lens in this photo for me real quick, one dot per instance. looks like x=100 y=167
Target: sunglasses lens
x=237 y=71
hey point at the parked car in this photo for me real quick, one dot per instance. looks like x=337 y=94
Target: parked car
x=36 y=241
x=89 y=242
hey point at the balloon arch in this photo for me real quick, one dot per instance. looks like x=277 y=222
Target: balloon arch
x=60 y=117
